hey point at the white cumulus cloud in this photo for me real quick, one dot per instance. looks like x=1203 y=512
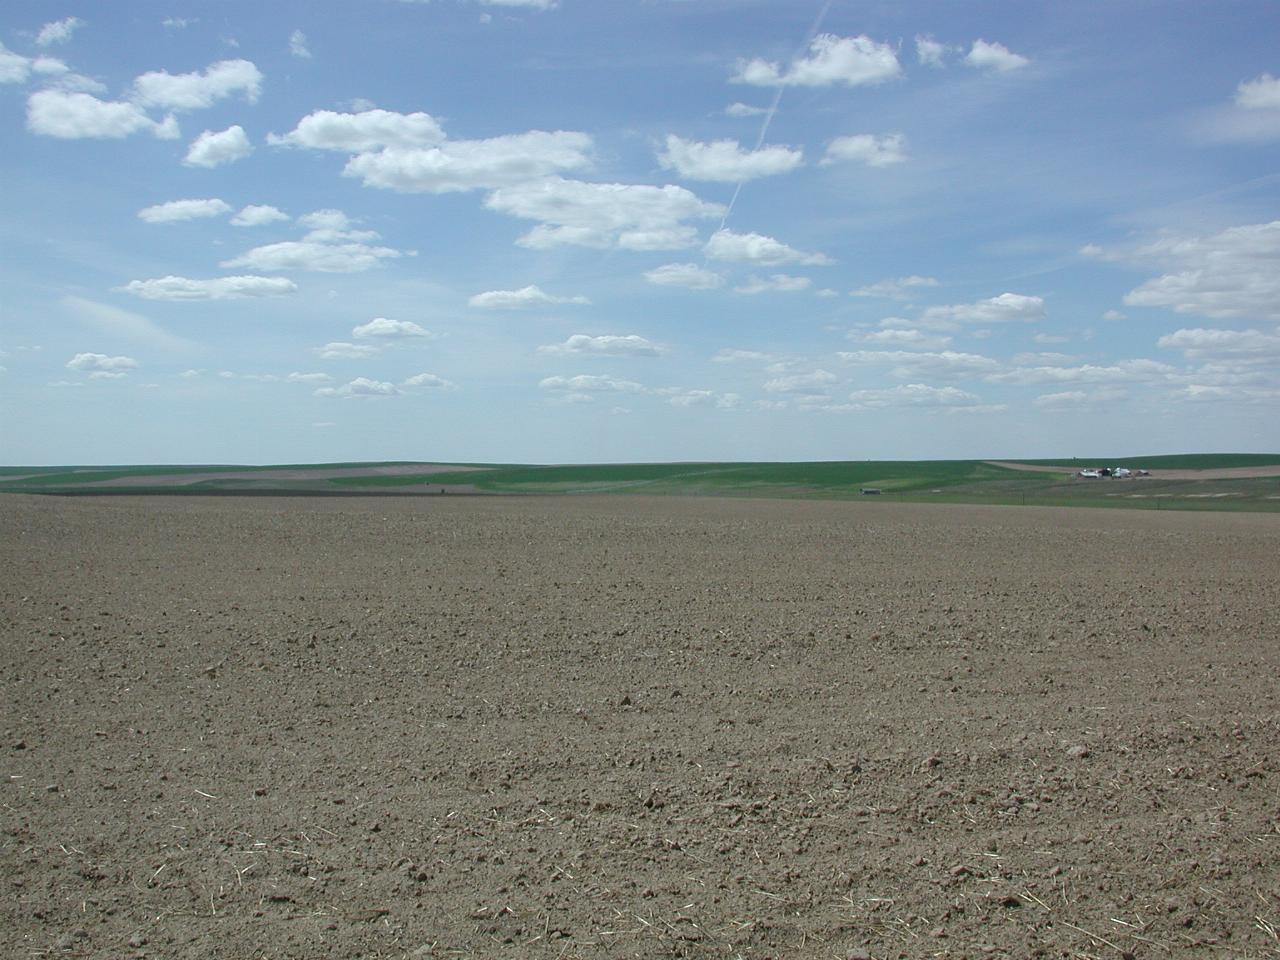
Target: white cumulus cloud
x=459 y=165
x=909 y=364
x=298 y=45
x=212 y=149
x=327 y=220
x=728 y=401
x=340 y=350
x=71 y=115
x=777 y=283
x=725 y=161
x=1064 y=400
x=1124 y=371
x=588 y=383
x=59 y=31
x=1006 y=308
x=730 y=247
x=101 y=363
x=895 y=288
x=1261 y=93
x=359 y=388
x=384 y=329
x=51 y=67
x=1044 y=357
x=580 y=344
x=907 y=339
x=813 y=383
x=14 y=67
x=68 y=82
x=1210 y=344
x=682 y=397
x=324 y=250
x=688 y=275
x=313 y=256
x=363 y=132
x=530 y=296
x=915 y=395
x=196 y=91
x=629 y=216
x=930 y=52
x=176 y=211
x=994 y=56
x=429 y=381
x=867 y=148
x=852 y=61
x=1233 y=273
x=1198 y=393
x=220 y=288
x=251 y=377
x=255 y=215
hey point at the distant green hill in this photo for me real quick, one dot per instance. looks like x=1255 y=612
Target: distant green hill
x=901 y=476
x=934 y=481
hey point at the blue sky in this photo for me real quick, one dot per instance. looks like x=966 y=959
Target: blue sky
x=567 y=231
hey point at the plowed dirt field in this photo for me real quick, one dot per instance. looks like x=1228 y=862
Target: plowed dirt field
x=575 y=727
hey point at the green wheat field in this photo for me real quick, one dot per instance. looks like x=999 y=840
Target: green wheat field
x=935 y=481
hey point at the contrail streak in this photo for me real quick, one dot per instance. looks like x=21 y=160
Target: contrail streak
x=777 y=98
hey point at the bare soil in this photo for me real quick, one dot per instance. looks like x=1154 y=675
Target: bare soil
x=593 y=727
